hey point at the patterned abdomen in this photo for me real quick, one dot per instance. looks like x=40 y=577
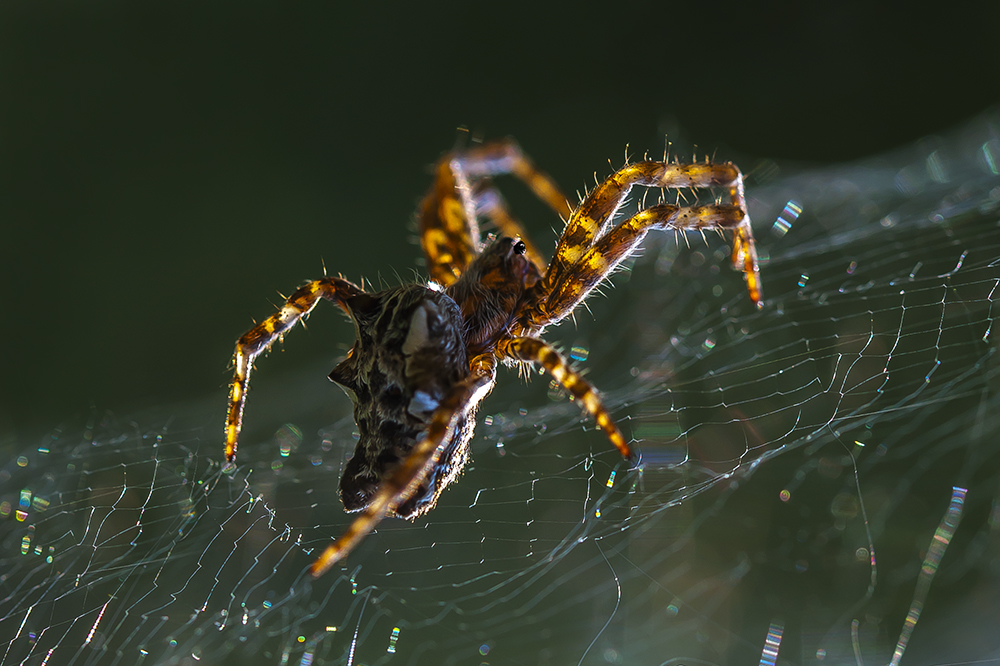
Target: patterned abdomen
x=409 y=352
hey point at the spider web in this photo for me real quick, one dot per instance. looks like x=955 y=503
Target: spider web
x=818 y=479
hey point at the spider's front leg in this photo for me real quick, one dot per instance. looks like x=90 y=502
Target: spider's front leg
x=419 y=462
x=262 y=336
x=597 y=263
x=449 y=227
x=538 y=351
x=579 y=264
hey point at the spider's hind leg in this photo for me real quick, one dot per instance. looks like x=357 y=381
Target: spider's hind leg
x=462 y=190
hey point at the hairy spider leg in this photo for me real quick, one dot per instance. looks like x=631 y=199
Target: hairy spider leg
x=610 y=249
x=449 y=227
x=463 y=398
x=538 y=351
x=448 y=235
x=588 y=222
x=259 y=338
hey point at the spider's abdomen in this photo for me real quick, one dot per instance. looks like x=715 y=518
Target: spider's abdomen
x=410 y=351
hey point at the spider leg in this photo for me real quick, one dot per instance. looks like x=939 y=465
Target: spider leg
x=586 y=225
x=604 y=255
x=259 y=338
x=502 y=157
x=449 y=228
x=414 y=469
x=541 y=352
x=448 y=234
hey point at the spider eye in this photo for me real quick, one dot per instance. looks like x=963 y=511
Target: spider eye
x=520 y=247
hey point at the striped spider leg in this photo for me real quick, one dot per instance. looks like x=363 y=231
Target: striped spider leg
x=585 y=256
x=260 y=338
x=463 y=191
x=535 y=350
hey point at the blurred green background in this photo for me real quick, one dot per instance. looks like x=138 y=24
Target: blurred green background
x=167 y=167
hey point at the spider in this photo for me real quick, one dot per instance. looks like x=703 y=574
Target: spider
x=426 y=355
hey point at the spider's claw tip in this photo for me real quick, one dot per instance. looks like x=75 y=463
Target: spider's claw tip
x=334 y=553
x=629 y=453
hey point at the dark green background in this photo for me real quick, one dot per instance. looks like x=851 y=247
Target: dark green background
x=166 y=168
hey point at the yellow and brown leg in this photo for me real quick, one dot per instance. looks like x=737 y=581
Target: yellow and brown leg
x=504 y=157
x=587 y=223
x=610 y=249
x=448 y=234
x=449 y=227
x=259 y=338
x=538 y=351
x=418 y=464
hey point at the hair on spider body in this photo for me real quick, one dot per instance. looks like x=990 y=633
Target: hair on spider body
x=490 y=291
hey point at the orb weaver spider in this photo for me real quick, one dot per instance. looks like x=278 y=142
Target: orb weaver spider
x=425 y=355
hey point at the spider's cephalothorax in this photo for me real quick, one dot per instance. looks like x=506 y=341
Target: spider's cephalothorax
x=490 y=291
x=424 y=358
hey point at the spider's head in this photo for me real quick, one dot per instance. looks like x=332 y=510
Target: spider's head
x=491 y=288
x=504 y=263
